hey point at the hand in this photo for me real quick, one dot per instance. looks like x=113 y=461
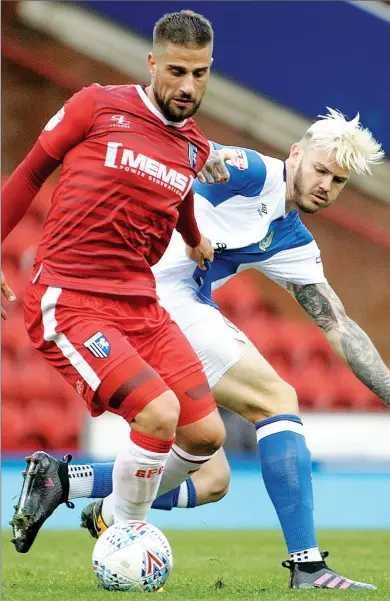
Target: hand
x=204 y=251
x=9 y=295
x=215 y=170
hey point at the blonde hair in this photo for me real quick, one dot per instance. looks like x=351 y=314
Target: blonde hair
x=355 y=146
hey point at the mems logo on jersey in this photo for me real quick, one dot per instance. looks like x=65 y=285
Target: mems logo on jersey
x=143 y=166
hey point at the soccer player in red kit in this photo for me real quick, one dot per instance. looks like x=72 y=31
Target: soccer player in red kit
x=129 y=155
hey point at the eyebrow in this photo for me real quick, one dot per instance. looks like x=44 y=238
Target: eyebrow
x=175 y=66
x=181 y=68
x=339 y=177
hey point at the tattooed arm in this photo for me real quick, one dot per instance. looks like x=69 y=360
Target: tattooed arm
x=345 y=336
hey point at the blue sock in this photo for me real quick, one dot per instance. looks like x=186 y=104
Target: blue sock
x=102 y=487
x=170 y=498
x=167 y=500
x=286 y=468
x=102 y=480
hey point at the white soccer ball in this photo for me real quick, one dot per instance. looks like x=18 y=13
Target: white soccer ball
x=132 y=556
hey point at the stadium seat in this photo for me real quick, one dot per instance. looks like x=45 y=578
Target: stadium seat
x=239 y=297
x=47 y=419
x=263 y=331
x=38 y=379
x=305 y=344
x=13 y=426
x=10 y=377
x=14 y=335
x=314 y=388
x=351 y=394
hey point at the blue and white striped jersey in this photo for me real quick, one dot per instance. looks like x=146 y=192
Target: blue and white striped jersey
x=247 y=223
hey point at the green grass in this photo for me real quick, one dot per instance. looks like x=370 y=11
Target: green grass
x=223 y=565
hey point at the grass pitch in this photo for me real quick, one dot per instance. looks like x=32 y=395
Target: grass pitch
x=223 y=565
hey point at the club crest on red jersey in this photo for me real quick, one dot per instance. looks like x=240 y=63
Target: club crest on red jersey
x=98 y=345
x=192 y=154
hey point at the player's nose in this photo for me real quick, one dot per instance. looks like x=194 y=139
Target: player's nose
x=187 y=87
x=326 y=182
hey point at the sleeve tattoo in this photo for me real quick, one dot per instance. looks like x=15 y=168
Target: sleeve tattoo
x=325 y=308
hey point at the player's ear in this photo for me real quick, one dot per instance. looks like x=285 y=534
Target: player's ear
x=295 y=152
x=152 y=65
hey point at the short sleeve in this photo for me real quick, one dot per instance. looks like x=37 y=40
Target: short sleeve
x=301 y=265
x=249 y=177
x=70 y=125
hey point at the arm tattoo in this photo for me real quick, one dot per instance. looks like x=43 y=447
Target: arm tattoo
x=361 y=356
x=365 y=361
x=316 y=301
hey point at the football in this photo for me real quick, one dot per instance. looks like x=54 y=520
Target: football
x=132 y=556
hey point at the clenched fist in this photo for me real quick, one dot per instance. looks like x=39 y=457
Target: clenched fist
x=204 y=251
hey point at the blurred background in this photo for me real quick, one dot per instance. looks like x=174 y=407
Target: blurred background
x=277 y=65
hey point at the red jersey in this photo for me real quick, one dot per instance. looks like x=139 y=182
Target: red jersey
x=125 y=172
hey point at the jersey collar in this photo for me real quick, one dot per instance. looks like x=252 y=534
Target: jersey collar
x=155 y=111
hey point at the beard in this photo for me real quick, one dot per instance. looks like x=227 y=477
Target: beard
x=299 y=194
x=175 y=114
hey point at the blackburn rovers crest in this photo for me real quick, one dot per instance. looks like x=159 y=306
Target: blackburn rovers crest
x=266 y=242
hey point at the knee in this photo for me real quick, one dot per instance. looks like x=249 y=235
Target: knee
x=159 y=418
x=279 y=398
x=209 y=438
x=286 y=400
x=219 y=485
x=203 y=437
x=212 y=480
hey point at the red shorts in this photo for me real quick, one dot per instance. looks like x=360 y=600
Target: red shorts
x=88 y=337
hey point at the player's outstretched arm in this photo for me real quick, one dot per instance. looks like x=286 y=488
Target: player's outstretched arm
x=215 y=170
x=349 y=341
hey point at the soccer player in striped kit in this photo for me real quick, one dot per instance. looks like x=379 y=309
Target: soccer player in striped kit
x=129 y=156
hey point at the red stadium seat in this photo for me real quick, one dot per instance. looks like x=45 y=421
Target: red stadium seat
x=264 y=332
x=10 y=377
x=351 y=394
x=305 y=344
x=239 y=297
x=56 y=426
x=36 y=379
x=314 y=388
x=14 y=336
x=13 y=426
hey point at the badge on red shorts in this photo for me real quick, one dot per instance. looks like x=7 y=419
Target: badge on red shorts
x=98 y=345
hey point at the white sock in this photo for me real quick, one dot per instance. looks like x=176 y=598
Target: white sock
x=182 y=500
x=137 y=475
x=108 y=504
x=108 y=510
x=80 y=481
x=178 y=467
x=312 y=554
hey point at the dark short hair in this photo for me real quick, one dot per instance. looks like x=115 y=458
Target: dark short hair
x=184 y=28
